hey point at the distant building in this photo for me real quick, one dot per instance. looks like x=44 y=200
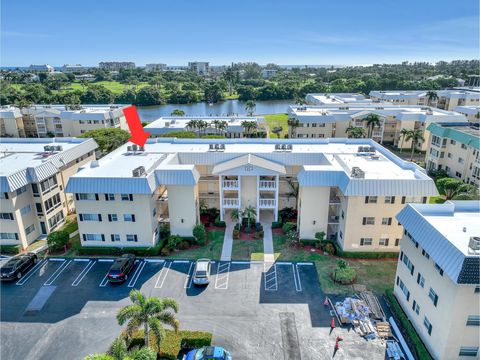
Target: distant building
x=401 y=97
x=175 y=68
x=269 y=73
x=199 y=67
x=472 y=113
x=74 y=68
x=33 y=176
x=473 y=81
x=455 y=148
x=41 y=68
x=116 y=65
x=437 y=282
x=218 y=69
x=155 y=67
x=86 y=77
x=337 y=98
x=450 y=99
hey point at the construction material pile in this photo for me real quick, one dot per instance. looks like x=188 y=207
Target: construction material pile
x=352 y=309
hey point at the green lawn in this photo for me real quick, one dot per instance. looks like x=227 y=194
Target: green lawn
x=113 y=86
x=213 y=250
x=273 y=120
x=436 y=200
x=247 y=250
x=70 y=225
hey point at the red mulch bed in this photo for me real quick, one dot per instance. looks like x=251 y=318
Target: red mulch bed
x=277 y=231
x=245 y=236
x=215 y=228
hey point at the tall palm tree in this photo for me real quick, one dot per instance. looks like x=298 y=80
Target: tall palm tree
x=403 y=134
x=236 y=216
x=416 y=136
x=250 y=107
x=355 y=132
x=216 y=125
x=152 y=313
x=431 y=96
x=248 y=126
x=223 y=126
x=251 y=214
x=293 y=124
x=372 y=120
x=202 y=125
x=192 y=125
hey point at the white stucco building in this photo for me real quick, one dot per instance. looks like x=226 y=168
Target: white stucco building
x=337 y=98
x=201 y=68
x=472 y=112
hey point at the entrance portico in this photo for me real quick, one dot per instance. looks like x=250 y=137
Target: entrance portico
x=249 y=180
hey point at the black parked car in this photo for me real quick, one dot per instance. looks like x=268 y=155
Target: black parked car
x=17 y=266
x=121 y=267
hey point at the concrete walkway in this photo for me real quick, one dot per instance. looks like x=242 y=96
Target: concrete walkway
x=228 y=239
x=266 y=218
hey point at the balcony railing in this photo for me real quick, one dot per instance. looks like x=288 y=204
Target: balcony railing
x=267 y=184
x=333 y=219
x=231 y=203
x=230 y=184
x=267 y=203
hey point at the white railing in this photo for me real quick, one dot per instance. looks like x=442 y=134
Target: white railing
x=231 y=203
x=267 y=203
x=267 y=184
x=230 y=184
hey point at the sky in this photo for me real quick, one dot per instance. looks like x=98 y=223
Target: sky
x=315 y=32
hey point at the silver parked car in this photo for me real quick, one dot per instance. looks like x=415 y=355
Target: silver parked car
x=201 y=274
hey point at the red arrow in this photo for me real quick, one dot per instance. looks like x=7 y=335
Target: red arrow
x=139 y=136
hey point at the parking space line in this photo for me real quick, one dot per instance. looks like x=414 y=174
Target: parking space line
x=240 y=262
x=283 y=263
x=188 y=280
x=104 y=281
x=57 y=273
x=270 y=277
x=136 y=275
x=84 y=272
x=154 y=260
x=181 y=261
x=32 y=271
x=56 y=259
x=105 y=260
x=296 y=278
x=223 y=274
x=167 y=267
x=305 y=263
x=82 y=260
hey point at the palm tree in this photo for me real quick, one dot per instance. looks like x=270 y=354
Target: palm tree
x=192 y=125
x=202 y=125
x=250 y=107
x=251 y=214
x=223 y=125
x=355 y=132
x=372 y=120
x=152 y=313
x=177 y=112
x=277 y=130
x=293 y=191
x=431 y=95
x=416 y=136
x=216 y=124
x=293 y=124
x=236 y=216
x=248 y=126
x=403 y=134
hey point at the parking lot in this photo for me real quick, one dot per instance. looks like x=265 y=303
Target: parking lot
x=65 y=309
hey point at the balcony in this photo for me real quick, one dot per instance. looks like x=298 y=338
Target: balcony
x=231 y=203
x=230 y=184
x=267 y=203
x=267 y=185
x=333 y=220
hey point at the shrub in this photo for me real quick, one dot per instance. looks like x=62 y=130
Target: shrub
x=165 y=251
x=292 y=238
x=57 y=240
x=328 y=247
x=412 y=337
x=259 y=234
x=345 y=275
x=173 y=241
x=10 y=249
x=184 y=245
x=236 y=234
x=320 y=235
x=276 y=224
x=219 y=223
x=288 y=226
x=258 y=227
x=164 y=230
x=200 y=234
x=237 y=227
x=116 y=251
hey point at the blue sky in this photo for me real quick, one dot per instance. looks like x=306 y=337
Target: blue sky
x=285 y=32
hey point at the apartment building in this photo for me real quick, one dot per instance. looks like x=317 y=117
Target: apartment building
x=155 y=67
x=455 y=148
x=349 y=188
x=450 y=99
x=33 y=175
x=269 y=73
x=116 y=65
x=67 y=68
x=56 y=120
x=472 y=113
x=230 y=126
x=41 y=68
x=333 y=121
x=337 y=98
x=401 y=97
x=199 y=67
x=437 y=281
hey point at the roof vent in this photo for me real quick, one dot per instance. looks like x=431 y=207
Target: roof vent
x=464 y=229
x=129 y=148
x=134 y=147
x=211 y=147
x=139 y=171
x=59 y=148
x=474 y=245
x=94 y=164
x=167 y=123
x=357 y=173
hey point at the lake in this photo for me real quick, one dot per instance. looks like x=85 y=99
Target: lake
x=227 y=107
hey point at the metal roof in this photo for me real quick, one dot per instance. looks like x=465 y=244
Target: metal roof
x=249 y=159
x=444 y=231
x=463 y=133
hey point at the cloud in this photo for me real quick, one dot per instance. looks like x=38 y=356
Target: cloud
x=18 y=34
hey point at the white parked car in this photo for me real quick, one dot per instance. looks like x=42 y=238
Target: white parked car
x=201 y=274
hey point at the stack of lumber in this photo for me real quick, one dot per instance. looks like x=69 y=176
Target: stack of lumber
x=383 y=329
x=373 y=304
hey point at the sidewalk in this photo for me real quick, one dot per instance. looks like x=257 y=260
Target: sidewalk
x=268 y=252
x=227 y=240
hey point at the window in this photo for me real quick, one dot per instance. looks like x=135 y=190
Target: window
x=129 y=217
x=433 y=296
x=3 y=195
x=343 y=214
x=131 y=237
x=52 y=203
x=449 y=155
x=39 y=209
x=404 y=289
x=341 y=234
x=30 y=229
x=154 y=212
x=127 y=197
x=407 y=262
x=115 y=237
x=35 y=190
x=21 y=190
x=397 y=242
x=26 y=209
x=452 y=142
x=6 y=216
x=112 y=217
x=477 y=289
x=84 y=196
x=473 y=320
x=461 y=160
x=439 y=269
x=90 y=217
x=416 y=307
x=365 y=241
x=468 y=351
x=383 y=242
x=109 y=197
x=387 y=221
x=8 y=236
x=458 y=174
x=427 y=325
x=463 y=146
x=370 y=199
x=55 y=220
x=93 y=237
x=389 y=199
x=424 y=253
x=420 y=280
x=368 y=221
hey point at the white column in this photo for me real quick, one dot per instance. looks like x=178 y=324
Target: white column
x=277 y=185
x=220 y=186
x=258 y=198
x=239 y=192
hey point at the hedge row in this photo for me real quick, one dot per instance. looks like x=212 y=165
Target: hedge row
x=419 y=348
x=10 y=249
x=173 y=342
x=363 y=255
x=115 y=251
